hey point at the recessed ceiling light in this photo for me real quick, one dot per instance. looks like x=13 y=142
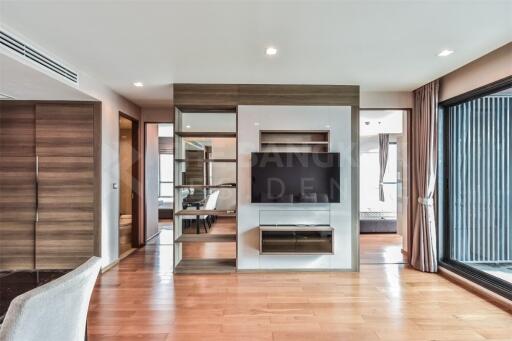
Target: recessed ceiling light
x=256 y=123
x=271 y=51
x=138 y=84
x=187 y=126
x=445 y=53
x=327 y=126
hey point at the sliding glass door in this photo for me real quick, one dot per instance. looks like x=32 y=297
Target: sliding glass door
x=478 y=186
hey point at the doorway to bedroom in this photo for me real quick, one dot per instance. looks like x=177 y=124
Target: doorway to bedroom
x=383 y=186
x=159 y=183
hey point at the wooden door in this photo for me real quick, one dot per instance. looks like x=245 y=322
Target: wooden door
x=17 y=186
x=65 y=233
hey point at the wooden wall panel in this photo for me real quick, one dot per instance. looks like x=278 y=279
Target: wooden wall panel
x=197 y=97
x=266 y=94
x=66 y=185
x=17 y=186
x=63 y=244
x=65 y=129
x=207 y=96
x=17 y=129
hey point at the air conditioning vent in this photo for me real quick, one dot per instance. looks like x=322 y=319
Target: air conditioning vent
x=27 y=52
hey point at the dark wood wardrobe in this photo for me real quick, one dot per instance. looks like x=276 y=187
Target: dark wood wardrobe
x=49 y=184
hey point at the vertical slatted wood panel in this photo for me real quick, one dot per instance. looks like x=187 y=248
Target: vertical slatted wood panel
x=480 y=180
x=17 y=186
x=64 y=146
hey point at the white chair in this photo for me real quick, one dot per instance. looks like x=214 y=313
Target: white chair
x=211 y=204
x=56 y=311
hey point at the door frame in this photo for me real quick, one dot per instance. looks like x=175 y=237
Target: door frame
x=136 y=199
x=405 y=130
x=144 y=225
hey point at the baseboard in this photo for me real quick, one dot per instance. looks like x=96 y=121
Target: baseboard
x=110 y=266
x=293 y=270
x=478 y=290
x=126 y=254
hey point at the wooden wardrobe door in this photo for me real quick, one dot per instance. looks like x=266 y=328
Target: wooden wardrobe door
x=65 y=150
x=17 y=186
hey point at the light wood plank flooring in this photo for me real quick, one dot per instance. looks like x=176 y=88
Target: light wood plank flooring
x=142 y=300
x=385 y=248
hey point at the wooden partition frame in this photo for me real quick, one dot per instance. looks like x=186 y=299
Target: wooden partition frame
x=227 y=97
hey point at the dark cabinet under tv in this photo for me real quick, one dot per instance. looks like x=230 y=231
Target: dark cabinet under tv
x=314 y=240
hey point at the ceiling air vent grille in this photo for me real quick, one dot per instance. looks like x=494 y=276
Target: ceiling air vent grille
x=26 y=51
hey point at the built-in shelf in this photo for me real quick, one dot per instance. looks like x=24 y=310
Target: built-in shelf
x=193 y=266
x=205 y=186
x=218 y=213
x=205 y=160
x=204 y=134
x=294 y=141
x=296 y=240
x=206 y=238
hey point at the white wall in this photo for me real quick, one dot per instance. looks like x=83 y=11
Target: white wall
x=111 y=104
x=161 y=115
x=152 y=162
x=485 y=70
x=340 y=214
x=386 y=99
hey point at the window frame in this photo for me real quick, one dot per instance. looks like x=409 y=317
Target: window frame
x=160 y=181
x=481 y=278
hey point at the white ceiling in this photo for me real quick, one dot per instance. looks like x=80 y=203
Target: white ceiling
x=380 y=45
x=21 y=82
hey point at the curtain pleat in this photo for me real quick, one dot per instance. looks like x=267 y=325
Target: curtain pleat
x=424 y=158
x=383 y=162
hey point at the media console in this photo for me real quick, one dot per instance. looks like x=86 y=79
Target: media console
x=296 y=239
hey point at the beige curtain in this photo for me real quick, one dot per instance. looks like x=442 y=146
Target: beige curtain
x=383 y=162
x=424 y=157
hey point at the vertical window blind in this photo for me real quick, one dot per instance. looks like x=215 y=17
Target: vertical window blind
x=480 y=174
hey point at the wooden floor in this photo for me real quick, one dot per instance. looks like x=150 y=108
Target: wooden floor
x=212 y=250
x=142 y=300
x=385 y=248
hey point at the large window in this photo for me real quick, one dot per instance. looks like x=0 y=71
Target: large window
x=166 y=161
x=478 y=188
x=166 y=175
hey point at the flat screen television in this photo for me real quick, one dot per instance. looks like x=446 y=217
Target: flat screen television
x=295 y=177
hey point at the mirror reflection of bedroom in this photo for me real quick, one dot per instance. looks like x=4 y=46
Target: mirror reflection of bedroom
x=383 y=186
